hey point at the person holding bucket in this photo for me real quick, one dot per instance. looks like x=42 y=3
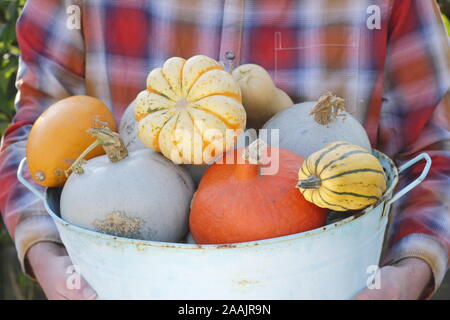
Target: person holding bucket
x=387 y=58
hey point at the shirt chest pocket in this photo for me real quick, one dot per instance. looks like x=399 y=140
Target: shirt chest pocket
x=312 y=62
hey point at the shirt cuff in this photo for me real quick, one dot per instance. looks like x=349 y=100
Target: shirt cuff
x=30 y=231
x=424 y=247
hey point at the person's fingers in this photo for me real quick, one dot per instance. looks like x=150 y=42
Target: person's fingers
x=372 y=294
x=56 y=274
x=388 y=288
x=61 y=280
x=70 y=284
x=85 y=292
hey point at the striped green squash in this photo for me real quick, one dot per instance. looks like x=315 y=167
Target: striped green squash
x=342 y=177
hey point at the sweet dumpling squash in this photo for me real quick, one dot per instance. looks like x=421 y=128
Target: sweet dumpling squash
x=342 y=177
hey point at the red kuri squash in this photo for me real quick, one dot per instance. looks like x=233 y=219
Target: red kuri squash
x=237 y=202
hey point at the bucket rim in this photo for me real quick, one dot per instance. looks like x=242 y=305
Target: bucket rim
x=239 y=245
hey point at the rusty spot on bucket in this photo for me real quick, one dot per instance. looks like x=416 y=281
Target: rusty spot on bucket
x=141 y=247
x=168 y=245
x=226 y=246
x=246 y=282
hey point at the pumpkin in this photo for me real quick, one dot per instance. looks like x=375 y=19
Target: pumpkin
x=308 y=127
x=238 y=200
x=191 y=110
x=342 y=177
x=60 y=134
x=260 y=97
x=139 y=195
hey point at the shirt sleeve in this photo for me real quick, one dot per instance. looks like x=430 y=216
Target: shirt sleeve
x=51 y=67
x=415 y=118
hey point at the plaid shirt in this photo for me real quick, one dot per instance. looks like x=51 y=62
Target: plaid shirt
x=389 y=59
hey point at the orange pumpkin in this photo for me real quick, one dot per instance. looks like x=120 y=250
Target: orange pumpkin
x=237 y=203
x=60 y=135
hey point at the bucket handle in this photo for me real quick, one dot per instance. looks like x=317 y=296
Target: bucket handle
x=398 y=195
x=28 y=185
x=409 y=187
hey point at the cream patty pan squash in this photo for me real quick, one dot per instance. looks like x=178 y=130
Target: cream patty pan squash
x=140 y=195
x=187 y=108
x=128 y=134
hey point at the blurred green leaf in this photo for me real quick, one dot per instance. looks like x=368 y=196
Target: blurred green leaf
x=446 y=23
x=9 y=57
x=11 y=10
x=9 y=33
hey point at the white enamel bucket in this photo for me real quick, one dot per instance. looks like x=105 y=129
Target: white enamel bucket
x=332 y=262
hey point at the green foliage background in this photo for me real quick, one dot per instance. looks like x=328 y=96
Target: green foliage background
x=9 y=57
x=13 y=284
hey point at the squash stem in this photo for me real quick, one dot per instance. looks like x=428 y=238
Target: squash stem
x=110 y=141
x=77 y=164
x=313 y=182
x=328 y=109
x=252 y=156
x=254 y=153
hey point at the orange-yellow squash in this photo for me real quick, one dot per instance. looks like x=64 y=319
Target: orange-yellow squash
x=60 y=135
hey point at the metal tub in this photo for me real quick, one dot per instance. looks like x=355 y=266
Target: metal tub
x=332 y=262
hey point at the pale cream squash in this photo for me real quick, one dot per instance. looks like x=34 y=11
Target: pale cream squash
x=128 y=129
x=307 y=127
x=139 y=195
x=260 y=97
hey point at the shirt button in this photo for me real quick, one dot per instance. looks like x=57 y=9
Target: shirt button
x=230 y=55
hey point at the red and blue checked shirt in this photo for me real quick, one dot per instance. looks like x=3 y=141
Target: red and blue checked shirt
x=389 y=59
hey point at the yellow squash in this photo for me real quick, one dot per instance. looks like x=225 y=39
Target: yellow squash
x=191 y=111
x=342 y=177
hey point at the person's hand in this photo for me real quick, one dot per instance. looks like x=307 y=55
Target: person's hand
x=50 y=264
x=405 y=280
